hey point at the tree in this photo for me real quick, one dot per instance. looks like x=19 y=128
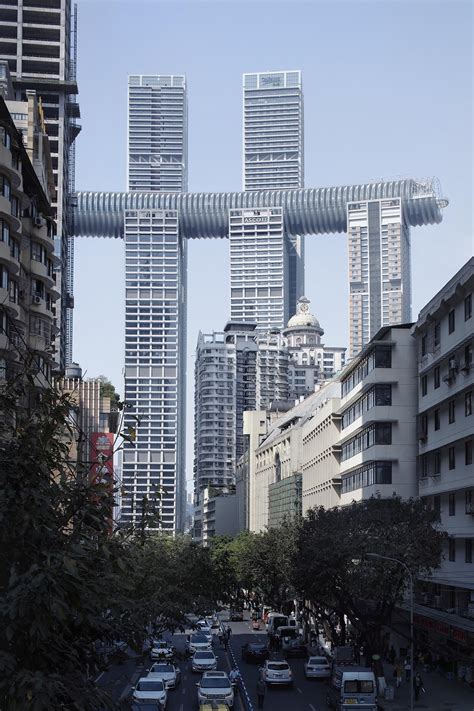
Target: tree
x=332 y=570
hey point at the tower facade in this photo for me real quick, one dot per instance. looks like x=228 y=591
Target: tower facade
x=38 y=40
x=273 y=159
x=379 y=269
x=155 y=304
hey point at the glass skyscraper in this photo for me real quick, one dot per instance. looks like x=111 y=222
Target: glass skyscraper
x=273 y=159
x=155 y=302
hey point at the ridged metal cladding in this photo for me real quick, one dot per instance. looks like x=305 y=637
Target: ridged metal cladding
x=308 y=211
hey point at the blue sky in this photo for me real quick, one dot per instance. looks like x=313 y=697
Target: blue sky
x=387 y=91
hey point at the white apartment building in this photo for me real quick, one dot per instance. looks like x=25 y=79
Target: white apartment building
x=157 y=133
x=378 y=411
x=379 y=269
x=444 y=335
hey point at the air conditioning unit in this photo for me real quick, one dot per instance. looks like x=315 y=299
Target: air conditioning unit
x=38 y=222
x=37 y=299
x=470 y=508
x=453 y=365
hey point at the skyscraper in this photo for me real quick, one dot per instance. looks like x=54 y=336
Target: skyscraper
x=379 y=269
x=273 y=159
x=38 y=39
x=155 y=299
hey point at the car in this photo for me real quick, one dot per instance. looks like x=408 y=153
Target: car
x=276 y=672
x=150 y=690
x=296 y=648
x=170 y=674
x=214 y=706
x=161 y=650
x=204 y=661
x=147 y=706
x=215 y=622
x=317 y=668
x=254 y=652
x=215 y=686
x=204 y=628
x=197 y=642
x=236 y=615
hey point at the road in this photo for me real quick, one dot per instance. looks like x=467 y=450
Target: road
x=306 y=695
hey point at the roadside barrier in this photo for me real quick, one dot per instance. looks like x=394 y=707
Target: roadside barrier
x=244 y=695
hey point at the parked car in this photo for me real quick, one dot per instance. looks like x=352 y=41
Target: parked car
x=170 y=674
x=204 y=661
x=215 y=686
x=197 y=643
x=161 y=650
x=236 y=615
x=254 y=652
x=150 y=690
x=317 y=668
x=276 y=672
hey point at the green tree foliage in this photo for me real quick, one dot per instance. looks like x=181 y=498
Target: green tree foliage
x=332 y=570
x=66 y=580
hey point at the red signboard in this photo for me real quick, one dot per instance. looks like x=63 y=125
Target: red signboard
x=441 y=628
x=102 y=458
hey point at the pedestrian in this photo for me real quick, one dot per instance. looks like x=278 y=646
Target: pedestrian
x=397 y=675
x=221 y=635
x=407 y=668
x=234 y=675
x=417 y=685
x=226 y=640
x=229 y=632
x=261 y=689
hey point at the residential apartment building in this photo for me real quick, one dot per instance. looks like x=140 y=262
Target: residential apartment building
x=273 y=159
x=379 y=269
x=155 y=302
x=38 y=40
x=378 y=413
x=27 y=229
x=216 y=514
x=444 y=335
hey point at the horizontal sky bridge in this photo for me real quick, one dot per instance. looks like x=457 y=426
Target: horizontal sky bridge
x=308 y=211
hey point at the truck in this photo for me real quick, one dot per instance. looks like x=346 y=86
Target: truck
x=352 y=687
x=274 y=621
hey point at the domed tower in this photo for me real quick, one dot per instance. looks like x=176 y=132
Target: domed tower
x=303 y=329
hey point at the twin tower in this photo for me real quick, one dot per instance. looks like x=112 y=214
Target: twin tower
x=265 y=223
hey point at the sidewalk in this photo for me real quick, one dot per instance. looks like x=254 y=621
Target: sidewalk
x=441 y=694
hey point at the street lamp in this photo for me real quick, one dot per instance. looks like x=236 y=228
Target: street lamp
x=410 y=576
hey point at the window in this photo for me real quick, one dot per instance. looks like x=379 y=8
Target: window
x=468 y=356
x=437 y=334
x=437 y=504
x=451 y=321
x=437 y=462
x=424 y=385
x=468 y=310
x=452 y=457
x=468 y=500
x=452 y=504
x=436 y=377
x=436 y=420
x=468 y=452
x=452 y=411
x=468 y=550
x=5 y=187
x=468 y=404
x=423 y=345
x=452 y=549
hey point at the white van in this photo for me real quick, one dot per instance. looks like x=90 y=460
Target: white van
x=351 y=687
x=274 y=621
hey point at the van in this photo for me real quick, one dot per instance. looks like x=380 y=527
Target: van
x=350 y=687
x=276 y=620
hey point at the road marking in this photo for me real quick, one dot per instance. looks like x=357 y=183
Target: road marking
x=181 y=707
x=183 y=691
x=100 y=676
x=299 y=690
x=312 y=707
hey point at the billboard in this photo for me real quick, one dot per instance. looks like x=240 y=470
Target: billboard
x=102 y=458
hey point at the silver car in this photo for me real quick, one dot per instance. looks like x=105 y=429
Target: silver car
x=204 y=661
x=317 y=668
x=215 y=686
x=166 y=671
x=276 y=672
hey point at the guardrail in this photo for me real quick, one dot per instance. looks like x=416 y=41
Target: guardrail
x=244 y=694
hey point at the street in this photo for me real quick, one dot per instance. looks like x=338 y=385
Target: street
x=306 y=695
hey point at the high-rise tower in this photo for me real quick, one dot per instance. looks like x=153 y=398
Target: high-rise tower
x=38 y=39
x=379 y=269
x=155 y=300
x=273 y=159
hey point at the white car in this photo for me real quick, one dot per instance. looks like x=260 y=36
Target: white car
x=215 y=686
x=204 y=628
x=276 y=672
x=197 y=643
x=204 y=661
x=166 y=671
x=317 y=668
x=150 y=690
x=161 y=650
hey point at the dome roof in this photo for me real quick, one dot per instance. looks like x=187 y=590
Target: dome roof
x=303 y=318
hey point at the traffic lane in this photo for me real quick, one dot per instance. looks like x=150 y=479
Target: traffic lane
x=305 y=695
